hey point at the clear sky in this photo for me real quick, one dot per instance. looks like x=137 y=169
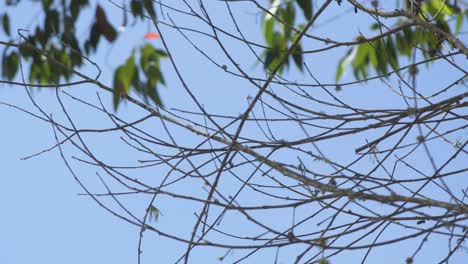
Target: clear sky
x=44 y=220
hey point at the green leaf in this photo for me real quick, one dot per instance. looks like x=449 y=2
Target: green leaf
x=274 y=54
x=76 y=6
x=10 y=65
x=361 y=60
x=443 y=7
x=269 y=22
x=306 y=6
x=74 y=9
x=136 y=82
x=344 y=63
x=268 y=28
x=273 y=9
x=381 y=58
x=153 y=213
x=154 y=95
x=68 y=25
x=46 y=4
x=149 y=62
x=361 y=55
x=373 y=55
x=339 y=70
x=56 y=72
x=127 y=73
x=161 y=53
x=123 y=79
x=34 y=72
x=45 y=73
x=92 y=42
x=6 y=24
x=105 y=28
x=118 y=88
x=404 y=47
x=429 y=8
x=288 y=14
x=149 y=8
x=74 y=49
x=324 y=260
x=161 y=78
x=66 y=60
x=136 y=7
x=361 y=71
x=392 y=53
x=153 y=74
x=40 y=36
x=458 y=23
x=52 y=22
x=76 y=58
x=148 y=56
x=297 y=57
x=375 y=26
x=26 y=50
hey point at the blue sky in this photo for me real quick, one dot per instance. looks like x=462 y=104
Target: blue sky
x=44 y=220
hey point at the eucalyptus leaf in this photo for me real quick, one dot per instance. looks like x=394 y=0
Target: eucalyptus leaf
x=6 y=24
x=148 y=4
x=10 y=65
x=306 y=7
x=136 y=6
x=297 y=57
x=105 y=28
x=52 y=23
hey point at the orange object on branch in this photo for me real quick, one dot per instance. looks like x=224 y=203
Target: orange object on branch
x=151 y=35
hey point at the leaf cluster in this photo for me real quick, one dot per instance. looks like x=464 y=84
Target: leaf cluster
x=382 y=54
x=278 y=32
x=53 y=50
x=143 y=77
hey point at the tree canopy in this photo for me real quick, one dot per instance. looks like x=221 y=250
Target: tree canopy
x=312 y=166
x=54 y=50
